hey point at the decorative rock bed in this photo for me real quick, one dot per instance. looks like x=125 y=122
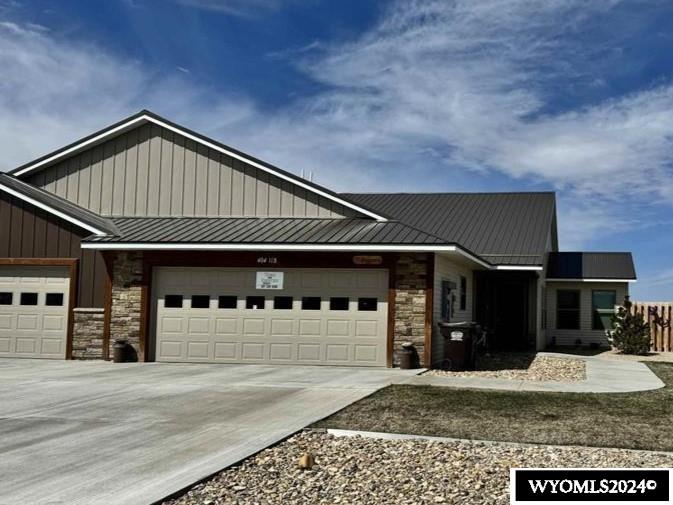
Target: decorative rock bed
x=363 y=470
x=523 y=366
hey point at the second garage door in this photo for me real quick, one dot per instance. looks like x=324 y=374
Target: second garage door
x=334 y=316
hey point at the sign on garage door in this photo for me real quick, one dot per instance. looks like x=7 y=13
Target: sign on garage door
x=33 y=311
x=305 y=316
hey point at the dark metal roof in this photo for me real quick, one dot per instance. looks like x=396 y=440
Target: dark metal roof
x=243 y=230
x=591 y=265
x=503 y=228
x=60 y=204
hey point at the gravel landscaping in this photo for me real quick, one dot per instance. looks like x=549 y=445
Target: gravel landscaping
x=523 y=366
x=362 y=470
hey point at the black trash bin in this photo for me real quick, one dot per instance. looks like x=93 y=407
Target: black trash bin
x=120 y=350
x=459 y=345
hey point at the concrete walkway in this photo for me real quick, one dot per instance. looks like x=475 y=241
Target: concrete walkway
x=103 y=433
x=604 y=375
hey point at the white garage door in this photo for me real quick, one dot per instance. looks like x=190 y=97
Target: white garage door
x=332 y=317
x=33 y=311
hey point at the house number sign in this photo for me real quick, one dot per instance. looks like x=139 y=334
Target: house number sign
x=269 y=280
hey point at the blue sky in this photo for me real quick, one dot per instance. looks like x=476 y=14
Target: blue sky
x=462 y=95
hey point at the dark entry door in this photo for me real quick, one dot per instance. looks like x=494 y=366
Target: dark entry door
x=511 y=314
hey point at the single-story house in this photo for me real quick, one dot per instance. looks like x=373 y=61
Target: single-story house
x=197 y=252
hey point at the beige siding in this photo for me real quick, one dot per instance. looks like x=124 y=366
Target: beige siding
x=585 y=333
x=151 y=171
x=446 y=269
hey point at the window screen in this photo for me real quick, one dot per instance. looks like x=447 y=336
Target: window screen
x=338 y=303
x=6 y=298
x=254 y=302
x=226 y=302
x=568 y=309
x=173 y=301
x=282 y=303
x=28 y=298
x=367 y=304
x=310 y=303
x=54 y=299
x=602 y=309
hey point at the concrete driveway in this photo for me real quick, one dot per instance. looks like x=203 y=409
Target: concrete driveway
x=96 y=432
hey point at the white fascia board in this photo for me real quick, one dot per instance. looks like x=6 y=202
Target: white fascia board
x=82 y=145
x=591 y=280
x=211 y=145
x=519 y=267
x=51 y=210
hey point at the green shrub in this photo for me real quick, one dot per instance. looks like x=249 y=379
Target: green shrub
x=630 y=333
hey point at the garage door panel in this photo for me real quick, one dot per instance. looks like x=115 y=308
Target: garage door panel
x=26 y=345
x=285 y=327
x=6 y=321
x=53 y=323
x=252 y=351
x=5 y=345
x=52 y=346
x=27 y=322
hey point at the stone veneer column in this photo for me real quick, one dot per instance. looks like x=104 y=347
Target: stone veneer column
x=411 y=273
x=87 y=333
x=125 y=315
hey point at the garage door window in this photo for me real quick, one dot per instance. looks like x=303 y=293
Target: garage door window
x=310 y=303
x=5 y=298
x=254 y=302
x=227 y=302
x=367 y=304
x=338 y=303
x=28 y=298
x=200 y=301
x=54 y=300
x=282 y=303
x=173 y=301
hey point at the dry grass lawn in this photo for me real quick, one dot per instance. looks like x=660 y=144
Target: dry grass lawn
x=627 y=420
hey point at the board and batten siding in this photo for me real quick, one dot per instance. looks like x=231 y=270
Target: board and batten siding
x=28 y=232
x=152 y=171
x=448 y=270
x=586 y=334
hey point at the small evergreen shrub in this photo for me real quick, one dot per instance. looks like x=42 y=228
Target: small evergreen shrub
x=630 y=333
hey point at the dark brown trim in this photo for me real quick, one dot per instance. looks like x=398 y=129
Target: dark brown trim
x=429 y=302
x=107 y=316
x=145 y=311
x=392 y=290
x=72 y=264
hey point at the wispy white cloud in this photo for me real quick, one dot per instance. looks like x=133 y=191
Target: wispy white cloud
x=435 y=89
x=240 y=8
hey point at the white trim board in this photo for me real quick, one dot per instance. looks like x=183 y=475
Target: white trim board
x=590 y=280
x=211 y=145
x=52 y=210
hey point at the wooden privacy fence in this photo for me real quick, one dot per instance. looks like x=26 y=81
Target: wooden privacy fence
x=658 y=314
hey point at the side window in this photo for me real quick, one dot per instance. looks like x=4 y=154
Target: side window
x=6 y=298
x=463 y=293
x=173 y=301
x=568 y=309
x=28 y=299
x=447 y=300
x=602 y=309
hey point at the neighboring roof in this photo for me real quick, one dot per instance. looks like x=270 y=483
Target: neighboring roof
x=591 y=265
x=237 y=230
x=56 y=205
x=146 y=116
x=503 y=228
